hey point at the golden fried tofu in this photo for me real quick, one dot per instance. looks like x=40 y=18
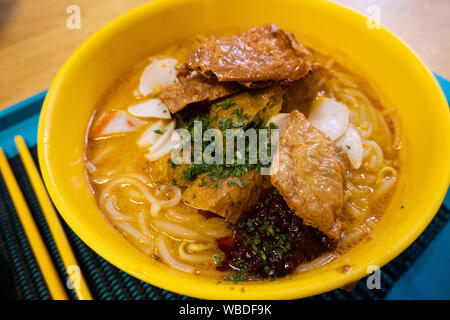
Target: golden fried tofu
x=229 y=198
x=241 y=109
x=195 y=88
x=309 y=172
x=263 y=54
x=166 y=172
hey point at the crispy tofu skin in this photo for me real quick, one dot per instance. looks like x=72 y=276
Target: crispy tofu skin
x=162 y=172
x=227 y=200
x=309 y=172
x=247 y=107
x=194 y=89
x=257 y=56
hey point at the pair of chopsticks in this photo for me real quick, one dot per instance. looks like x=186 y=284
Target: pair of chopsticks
x=53 y=281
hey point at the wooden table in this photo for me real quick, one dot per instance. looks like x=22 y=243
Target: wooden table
x=35 y=42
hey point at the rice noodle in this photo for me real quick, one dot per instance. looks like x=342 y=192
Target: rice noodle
x=89 y=167
x=110 y=207
x=192 y=257
x=99 y=157
x=130 y=231
x=135 y=196
x=166 y=256
x=174 y=215
x=349 y=98
x=397 y=130
x=383 y=188
x=345 y=79
x=386 y=172
x=177 y=231
x=365 y=130
x=361 y=230
x=385 y=129
x=379 y=157
x=137 y=176
x=364 y=115
x=143 y=225
x=356 y=234
x=316 y=263
x=363 y=97
x=195 y=246
x=156 y=204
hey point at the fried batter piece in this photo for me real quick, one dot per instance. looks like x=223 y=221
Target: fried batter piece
x=256 y=57
x=257 y=105
x=195 y=88
x=164 y=171
x=309 y=171
x=225 y=197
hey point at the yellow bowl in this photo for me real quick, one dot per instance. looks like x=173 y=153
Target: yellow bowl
x=397 y=74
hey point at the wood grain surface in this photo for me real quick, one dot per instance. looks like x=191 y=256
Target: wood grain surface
x=35 y=41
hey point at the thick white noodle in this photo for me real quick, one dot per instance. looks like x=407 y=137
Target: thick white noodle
x=134 y=234
x=179 y=217
x=167 y=257
x=101 y=155
x=111 y=208
x=192 y=257
x=320 y=261
x=90 y=167
x=176 y=230
x=196 y=247
x=378 y=154
x=143 y=225
x=156 y=204
x=383 y=188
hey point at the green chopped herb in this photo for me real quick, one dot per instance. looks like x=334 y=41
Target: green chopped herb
x=173 y=182
x=157 y=131
x=235 y=277
x=235 y=183
x=217 y=259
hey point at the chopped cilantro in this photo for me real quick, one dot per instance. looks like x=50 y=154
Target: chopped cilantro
x=235 y=277
x=217 y=259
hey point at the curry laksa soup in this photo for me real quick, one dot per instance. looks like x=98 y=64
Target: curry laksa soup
x=242 y=157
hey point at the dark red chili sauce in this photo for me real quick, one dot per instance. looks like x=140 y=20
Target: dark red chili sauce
x=272 y=241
